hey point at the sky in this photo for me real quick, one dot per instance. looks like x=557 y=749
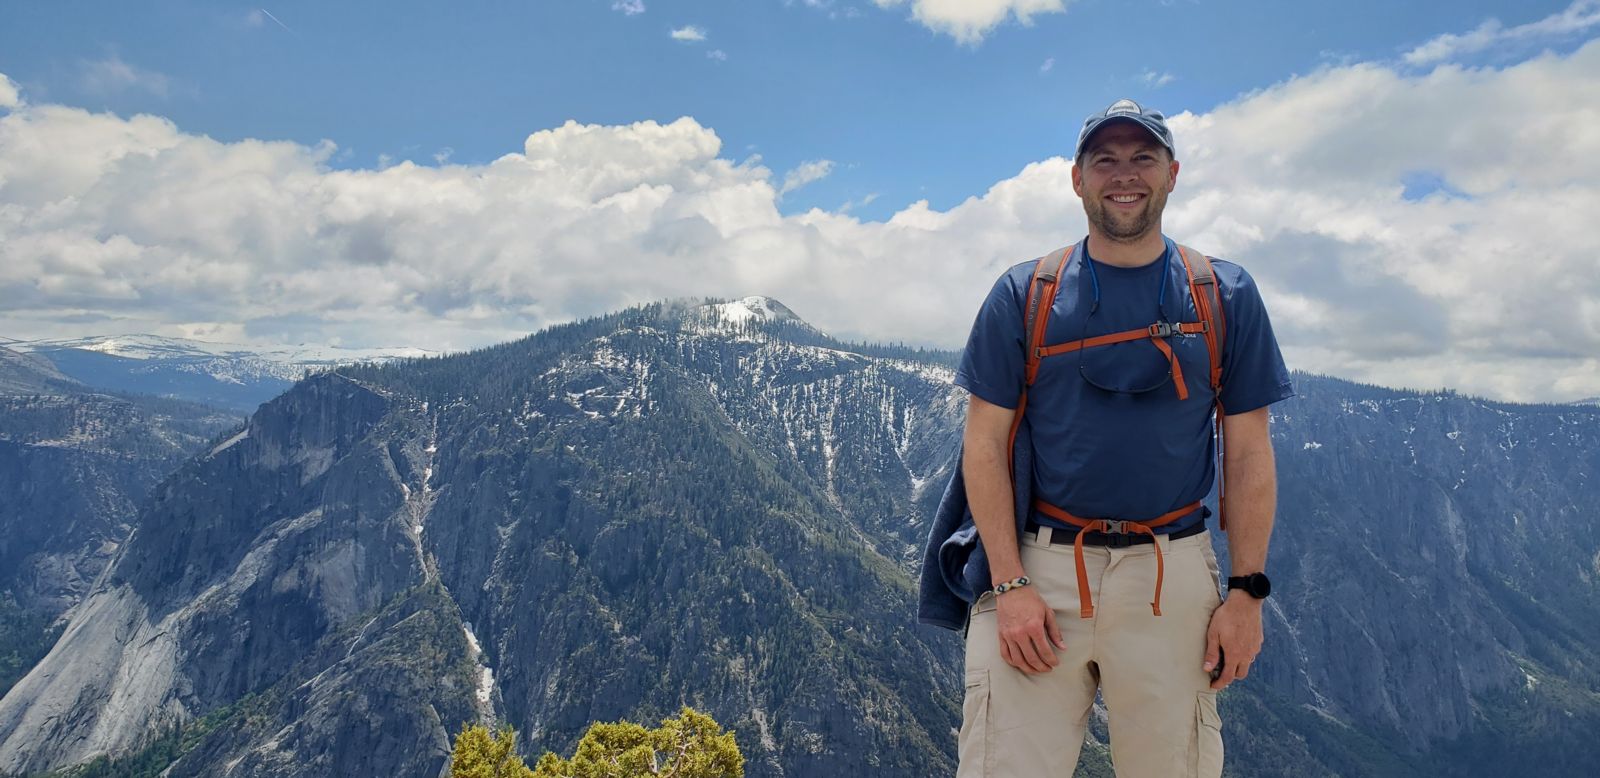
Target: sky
x=1408 y=183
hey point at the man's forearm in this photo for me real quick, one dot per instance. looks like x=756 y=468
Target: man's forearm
x=986 y=469
x=1252 y=497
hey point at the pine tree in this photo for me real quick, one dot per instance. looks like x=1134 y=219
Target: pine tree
x=478 y=754
x=689 y=746
x=692 y=745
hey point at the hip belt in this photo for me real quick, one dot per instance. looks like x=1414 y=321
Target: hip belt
x=1106 y=532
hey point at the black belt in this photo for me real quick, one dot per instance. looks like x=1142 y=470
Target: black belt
x=1115 y=539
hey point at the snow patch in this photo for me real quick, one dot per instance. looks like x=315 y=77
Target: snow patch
x=757 y=307
x=485 y=690
x=223 y=446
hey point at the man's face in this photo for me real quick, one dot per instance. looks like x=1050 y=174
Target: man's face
x=1124 y=177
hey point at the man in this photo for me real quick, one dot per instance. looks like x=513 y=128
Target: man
x=1119 y=431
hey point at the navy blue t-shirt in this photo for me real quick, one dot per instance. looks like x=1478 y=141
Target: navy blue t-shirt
x=1140 y=452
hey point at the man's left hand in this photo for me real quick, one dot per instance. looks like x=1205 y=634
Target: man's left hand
x=1235 y=630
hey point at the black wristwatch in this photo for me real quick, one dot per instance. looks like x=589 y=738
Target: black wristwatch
x=1257 y=585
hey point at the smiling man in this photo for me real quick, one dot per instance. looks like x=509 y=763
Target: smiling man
x=1099 y=375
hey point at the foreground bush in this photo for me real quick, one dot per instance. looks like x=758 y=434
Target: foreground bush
x=689 y=746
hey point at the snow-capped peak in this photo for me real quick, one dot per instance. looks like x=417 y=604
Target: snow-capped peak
x=754 y=307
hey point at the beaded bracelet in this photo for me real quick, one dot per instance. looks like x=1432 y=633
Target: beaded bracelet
x=1015 y=583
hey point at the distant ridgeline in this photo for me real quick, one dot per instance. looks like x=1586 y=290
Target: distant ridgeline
x=234 y=377
x=715 y=505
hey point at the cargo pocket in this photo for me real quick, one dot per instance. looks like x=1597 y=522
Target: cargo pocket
x=1208 y=737
x=974 y=748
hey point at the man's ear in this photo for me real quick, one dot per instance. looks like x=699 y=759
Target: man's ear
x=1172 y=177
x=1077 y=180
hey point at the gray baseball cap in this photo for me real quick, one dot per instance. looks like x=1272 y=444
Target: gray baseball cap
x=1127 y=111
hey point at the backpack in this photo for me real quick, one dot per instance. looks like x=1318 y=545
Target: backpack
x=1203 y=289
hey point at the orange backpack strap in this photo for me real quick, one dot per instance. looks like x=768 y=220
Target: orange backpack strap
x=1207 y=294
x=1036 y=319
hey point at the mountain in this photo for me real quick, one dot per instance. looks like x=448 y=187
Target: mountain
x=627 y=514
x=27 y=374
x=74 y=467
x=716 y=504
x=1436 y=570
x=227 y=375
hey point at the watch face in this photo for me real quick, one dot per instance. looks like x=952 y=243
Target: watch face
x=1260 y=585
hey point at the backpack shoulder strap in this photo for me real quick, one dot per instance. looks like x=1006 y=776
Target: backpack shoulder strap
x=1041 y=297
x=1207 y=294
x=1036 y=319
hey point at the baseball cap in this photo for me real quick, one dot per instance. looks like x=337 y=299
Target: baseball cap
x=1126 y=110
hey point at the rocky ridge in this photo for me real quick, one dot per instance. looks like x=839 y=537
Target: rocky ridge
x=689 y=504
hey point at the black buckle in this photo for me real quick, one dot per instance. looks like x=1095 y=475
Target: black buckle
x=1117 y=534
x=1161 y=329
x=1119 y=541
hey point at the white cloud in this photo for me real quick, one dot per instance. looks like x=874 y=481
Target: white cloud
x=10 y=95
x=833 y=9
x=718 y=55
x=850 y=205
x=629 y=7
x=113 y=224
x=1049 y=63
x=112 y=76
x=1156 y=80
x=690 y=34
x=968 y=21
x=805 y=173
x=443 y=155
x=1577 y=18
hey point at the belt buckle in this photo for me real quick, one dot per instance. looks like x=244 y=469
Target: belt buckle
x=1117 y=534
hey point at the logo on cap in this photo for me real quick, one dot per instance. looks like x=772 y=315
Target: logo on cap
x=1124 y=106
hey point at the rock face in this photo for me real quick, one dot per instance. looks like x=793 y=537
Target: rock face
x=717 y=505
x=1435 y=581
x=74 y=467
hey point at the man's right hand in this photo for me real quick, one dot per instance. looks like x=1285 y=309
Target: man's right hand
x=1027 y=631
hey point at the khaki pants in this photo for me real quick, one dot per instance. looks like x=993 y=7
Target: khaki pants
x=1162 y=712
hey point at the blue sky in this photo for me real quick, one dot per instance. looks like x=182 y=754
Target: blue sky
x=452 y=175
x=904 y=112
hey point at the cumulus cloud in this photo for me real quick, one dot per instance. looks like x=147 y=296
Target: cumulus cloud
x=968 y=21
x=805 y=173
x=1577 y=18
x=10 y=95
x=689 y=34
x=111 y=224
x=112 y=75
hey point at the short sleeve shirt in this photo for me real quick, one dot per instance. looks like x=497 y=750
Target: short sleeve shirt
x=1111 y=438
